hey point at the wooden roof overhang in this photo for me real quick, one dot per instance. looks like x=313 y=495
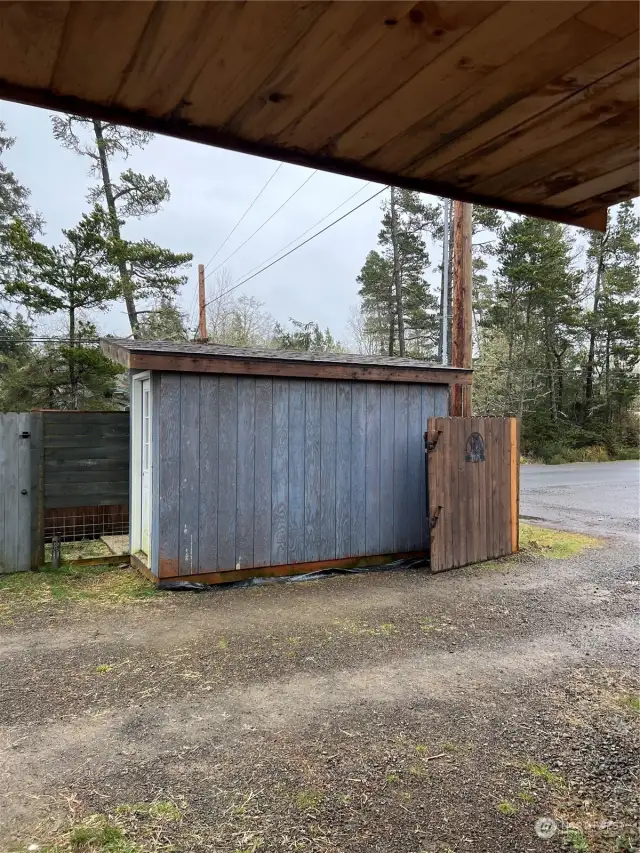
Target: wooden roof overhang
x=257 y=361
x=530 y=107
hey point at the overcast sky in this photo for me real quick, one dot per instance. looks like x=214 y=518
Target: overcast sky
x=210 y=189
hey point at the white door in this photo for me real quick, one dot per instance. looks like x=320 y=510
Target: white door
x=145 y=473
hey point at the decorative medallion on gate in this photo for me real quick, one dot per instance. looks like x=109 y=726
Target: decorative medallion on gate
x=475 y=448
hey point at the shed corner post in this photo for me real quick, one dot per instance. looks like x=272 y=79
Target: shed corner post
x=36 y=497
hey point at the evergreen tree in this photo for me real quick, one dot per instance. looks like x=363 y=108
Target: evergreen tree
x=14 y=207
x=71 y=278
x=305 y=337
x=398 y=306
x=164 y=322
x=144 y=269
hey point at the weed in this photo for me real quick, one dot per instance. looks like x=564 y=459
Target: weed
x=415 y=770
x=557 y=544
x=630 y=701
x=450 y=747
x=391 y=778
x=104 y=667
x=422 y=749
x=541 y=771
x=101 y=837
x=625 y=844
x=104 y=585
x=573 y=839
x=309 y=799
x=222 y=643
x=507 y=808
x=164 y=809
x=526 y=797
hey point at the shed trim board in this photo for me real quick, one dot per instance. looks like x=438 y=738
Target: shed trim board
x=456 y=99
x=220 y=359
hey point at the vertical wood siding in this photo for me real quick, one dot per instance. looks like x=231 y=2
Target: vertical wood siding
x=256 y=472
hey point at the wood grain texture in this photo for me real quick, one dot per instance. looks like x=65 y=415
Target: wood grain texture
x=343 y=469
x=474 y=81
x=30 y=39
x=262 y=476
x=169 y=439
x=246 y=458
x=387 y=492
x=208 y=503
x=227 y=471
x=280 y=473
x=328 y=462
x=372 y=469
x=358 y=468
x=415 y=466
x=296 y=471
x=312 y=472
x=400 y=469
x=476 y=501
x=189 y=473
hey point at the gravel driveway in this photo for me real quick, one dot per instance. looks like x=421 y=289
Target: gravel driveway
x=396 y=712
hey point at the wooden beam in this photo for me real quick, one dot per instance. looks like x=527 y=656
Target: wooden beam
x=167 y=572
x=296 y=369
x=461 y=339
x=221 y=138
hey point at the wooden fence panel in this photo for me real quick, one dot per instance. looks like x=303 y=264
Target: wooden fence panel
x=473 y=475
x=15 y=492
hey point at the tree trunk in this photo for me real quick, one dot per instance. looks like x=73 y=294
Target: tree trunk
x=397 y=277
x=125 y=279
x=525 y=356
x=607 y=367
x=588 y=389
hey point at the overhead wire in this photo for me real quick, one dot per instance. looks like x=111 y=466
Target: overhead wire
x=230 y=234
x=311 y=227
x=266 y=221
x=295 y=248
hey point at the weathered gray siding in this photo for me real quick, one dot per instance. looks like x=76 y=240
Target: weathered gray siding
x=252 y=472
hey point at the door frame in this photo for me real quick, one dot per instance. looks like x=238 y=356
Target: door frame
x=135 y=527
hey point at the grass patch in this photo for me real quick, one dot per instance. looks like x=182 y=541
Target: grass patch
x=82 y=550
x=105 y=584
x=308 y=799
x=131 y=828
x=557 y=544
x=630 y=702
x=541 y=771
x=573 y=839
x=507 y=808
x=104 y=668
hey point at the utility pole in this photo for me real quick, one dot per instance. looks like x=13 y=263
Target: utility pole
x=444 y=302
x=201 y=303
x=461 y=337
x=397 y=277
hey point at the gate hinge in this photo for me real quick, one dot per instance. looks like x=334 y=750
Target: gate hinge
x=433 y=519
x=431 y=443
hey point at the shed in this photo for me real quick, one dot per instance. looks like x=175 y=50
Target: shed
x=247 y=461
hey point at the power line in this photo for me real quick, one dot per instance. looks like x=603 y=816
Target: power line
x=315 y=225
x=215 y=254
x=295 y=248
x=230 y=234
x=260 y=227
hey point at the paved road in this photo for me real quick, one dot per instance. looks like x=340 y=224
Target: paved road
x=601 y=497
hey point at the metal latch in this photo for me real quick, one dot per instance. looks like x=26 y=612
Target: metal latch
x=430 y=444
x=25 y=434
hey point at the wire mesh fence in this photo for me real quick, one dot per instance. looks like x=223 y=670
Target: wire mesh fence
x=73 y=524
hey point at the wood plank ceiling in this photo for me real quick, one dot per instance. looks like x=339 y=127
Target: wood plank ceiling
x=526 y=106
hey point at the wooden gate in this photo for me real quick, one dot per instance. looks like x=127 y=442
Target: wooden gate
x=473 y=481
x=15 y=492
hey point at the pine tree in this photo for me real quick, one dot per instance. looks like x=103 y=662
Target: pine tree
x=398 y=306
x=71 y=278
x=145 y=269
x=305 y=337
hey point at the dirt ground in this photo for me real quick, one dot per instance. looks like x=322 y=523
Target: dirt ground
x=398 y=712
